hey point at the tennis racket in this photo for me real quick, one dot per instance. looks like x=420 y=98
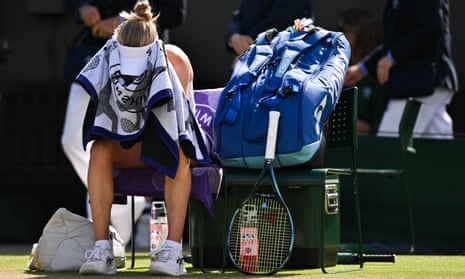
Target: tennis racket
x=261 y=232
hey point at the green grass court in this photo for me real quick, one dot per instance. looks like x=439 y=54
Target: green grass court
x=13 y=266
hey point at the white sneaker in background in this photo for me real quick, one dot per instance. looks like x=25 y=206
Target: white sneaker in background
x=121 y=216
x=119 y=248
x=168 y=261
x=100 y=260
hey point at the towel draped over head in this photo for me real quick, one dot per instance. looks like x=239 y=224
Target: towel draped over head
x=151 y=108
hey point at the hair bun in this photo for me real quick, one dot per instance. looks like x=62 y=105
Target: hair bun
x=143 y=10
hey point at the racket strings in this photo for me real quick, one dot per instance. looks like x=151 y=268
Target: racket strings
x=261 y=235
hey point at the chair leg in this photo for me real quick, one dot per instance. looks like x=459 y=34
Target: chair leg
x=225 y=227
x=359 y=220
x=322 y=233
x=410 y=212
x=133 y=230
x=361 y=257
x=201 y=251
x=359 y=254
x=201 y=245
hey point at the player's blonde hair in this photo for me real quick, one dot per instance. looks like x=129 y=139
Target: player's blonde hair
x=139 y=28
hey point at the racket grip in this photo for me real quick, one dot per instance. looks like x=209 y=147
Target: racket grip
x=272 y=135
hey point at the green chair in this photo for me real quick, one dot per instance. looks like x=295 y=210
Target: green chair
x=342 y=134
x=406 y=126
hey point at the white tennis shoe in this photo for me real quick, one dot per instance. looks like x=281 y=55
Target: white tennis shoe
x=100 y=260
x=168 y=261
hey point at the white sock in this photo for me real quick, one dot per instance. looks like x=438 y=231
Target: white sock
x=103 y=243
x=173 y=244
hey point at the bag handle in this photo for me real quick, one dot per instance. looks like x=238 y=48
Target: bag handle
x=258 y=57
x=296 y=44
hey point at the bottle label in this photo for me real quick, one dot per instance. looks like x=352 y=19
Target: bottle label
x=156 y=236
x=158 y=225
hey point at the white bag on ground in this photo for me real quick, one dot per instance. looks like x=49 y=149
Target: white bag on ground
x=63 y=243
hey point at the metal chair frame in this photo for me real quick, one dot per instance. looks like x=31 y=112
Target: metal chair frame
x=343 y=135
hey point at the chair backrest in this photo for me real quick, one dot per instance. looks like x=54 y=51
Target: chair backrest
x=342 y=125
x=342 y=130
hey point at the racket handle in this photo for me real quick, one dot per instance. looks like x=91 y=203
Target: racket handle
x=272 y=135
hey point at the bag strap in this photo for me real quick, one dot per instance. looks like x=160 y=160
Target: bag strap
x=295 y=45
x=246 y=70
x=252 y=63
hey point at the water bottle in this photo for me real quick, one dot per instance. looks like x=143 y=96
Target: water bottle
x=158 y=225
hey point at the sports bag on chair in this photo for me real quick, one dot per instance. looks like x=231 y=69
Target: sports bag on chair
x=299 y=72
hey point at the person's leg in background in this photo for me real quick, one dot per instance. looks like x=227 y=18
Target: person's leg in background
x=71 y=138
x=433 y=119
x=389 y=126
x=121 y=217
x=142 y=237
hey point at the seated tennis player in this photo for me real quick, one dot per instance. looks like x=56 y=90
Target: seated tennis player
x=139 y=116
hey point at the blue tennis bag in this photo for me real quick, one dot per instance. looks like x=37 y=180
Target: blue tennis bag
x=298 y=73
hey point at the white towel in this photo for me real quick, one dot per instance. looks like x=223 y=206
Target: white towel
x=152 y=108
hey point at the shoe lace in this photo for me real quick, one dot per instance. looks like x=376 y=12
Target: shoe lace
x=164 y=254
x=93 y=254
